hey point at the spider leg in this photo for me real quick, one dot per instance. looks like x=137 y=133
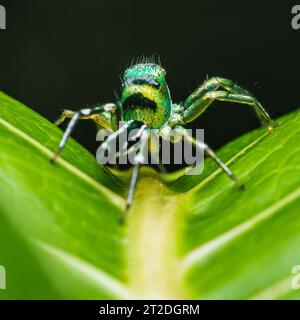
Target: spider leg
x=132 y=187
x=202 y=98
x=105 y=115
x=201 y=145
x=154 y=148
x=65 y=115
x=97 y=114
x=159 y=165
x=133 y=148
x=138 y=159
x=154 y=155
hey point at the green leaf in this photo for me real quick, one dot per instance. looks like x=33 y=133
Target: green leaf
x=196 y=237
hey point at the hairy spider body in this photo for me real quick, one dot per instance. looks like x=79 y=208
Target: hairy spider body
x=146 y=103
x=145 y=95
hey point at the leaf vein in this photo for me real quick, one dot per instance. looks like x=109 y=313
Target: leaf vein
x=196 y=255
x=109 y=194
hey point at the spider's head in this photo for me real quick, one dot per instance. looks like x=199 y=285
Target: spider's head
x=145 y=95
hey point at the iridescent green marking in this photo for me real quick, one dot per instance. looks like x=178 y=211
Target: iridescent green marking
x=145 y=96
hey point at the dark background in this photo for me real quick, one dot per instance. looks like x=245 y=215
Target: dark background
x=58 y=54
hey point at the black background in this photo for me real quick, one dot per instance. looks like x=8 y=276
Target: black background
x=58 y=54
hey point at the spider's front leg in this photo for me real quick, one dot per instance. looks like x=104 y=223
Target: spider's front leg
x=139 y=159
x=104 y=115
x=202 y=146
x=138 y=150
x=202 y=98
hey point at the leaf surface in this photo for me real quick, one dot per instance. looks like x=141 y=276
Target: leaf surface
x=196 y=237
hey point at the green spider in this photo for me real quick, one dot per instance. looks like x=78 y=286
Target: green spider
x=146 y=102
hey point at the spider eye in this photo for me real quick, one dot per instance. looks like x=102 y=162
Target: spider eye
x=155 y=84
x=140 y=81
